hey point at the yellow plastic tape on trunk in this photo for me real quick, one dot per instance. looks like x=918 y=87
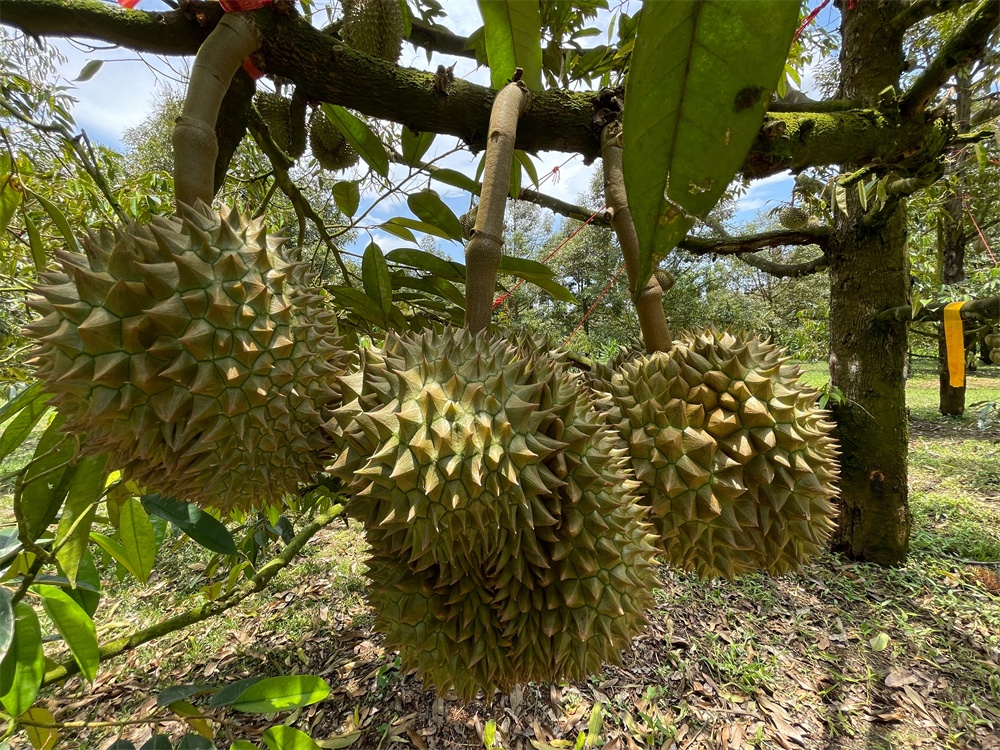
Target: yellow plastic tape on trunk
x=954 y=341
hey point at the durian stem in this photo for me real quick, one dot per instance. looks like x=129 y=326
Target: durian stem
x=196 y=147
x=483 y=253
x=649 y=304
x=209 y=609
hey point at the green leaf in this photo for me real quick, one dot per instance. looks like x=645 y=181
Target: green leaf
x=89 y=71
x=399 y=231
x=116 y=551
x=195 y=742
x=282 y=694
x=456 y=179
x=418 y=226
x=193 y=521
x=347 y=196
x=703 y=74
x=157 y=742
x=30 y=411
x=75 y=626
x=595 y=725
x=138 y=539
x=375 y=277
x=529 y=166
x=242 y=745
x=359 y=135
x=21 y=401
x=176 y=693
x=6 y=622
x=73 y=532
x=35 y=241
x=449 y=270
x=514 y=190
x=415 y=145
x=513 y=31
x=287 y=738
x=429 y=208
x=431 y=285
x=227 y=695
x=523 y=267
x=554 y=288
x=10 y=198
x=879 y=642
x=359 y=303
x=59 y=219
x=24 y=664
x=46 y=479
x=87 y=592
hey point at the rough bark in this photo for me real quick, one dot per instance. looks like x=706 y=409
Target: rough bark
x=869 y=271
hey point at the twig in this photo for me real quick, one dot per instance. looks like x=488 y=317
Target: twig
x=754 y=242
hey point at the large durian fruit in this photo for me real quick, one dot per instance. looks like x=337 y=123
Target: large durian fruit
x=328 y=144
x=279 y=114
x=736 y=460
x=192 y=351
x=374 y=27
x=507 y=544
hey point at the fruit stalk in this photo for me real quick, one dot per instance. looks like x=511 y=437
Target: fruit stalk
x=649 y=303
x=196 y=147
x=483 y=252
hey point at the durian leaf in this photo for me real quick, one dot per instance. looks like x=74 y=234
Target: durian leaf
x=347 y=196
x=6 y=622
x=415 y=145
x=21 y=400
x=59 y=219
x=529 y=166
x=430 y=285
x=73 y=532
x=87 y=592
x=524 y=267
x=407 y=20
x=195 y=741
x=24 y=664
x=35 y=242
x=359 y=303
x=359 y=135
x=46 y=479
x=10 y=199
x=456 y=179
x=40 y=737
x=515 y=180
x=157 y=742
x=138 y=539
x=557 y=290
x=116 y=551
x=287 y=738
x=74 y=625
x=176 y=693
x=703 y=74
x=449 y=270
x=282 y=694
x=430 y=209
x=418 y=226
x=242 y=745
x=401 y=232
x=29 y=406
x=10 y=545
x=513 y=31
x=232 y=691
x=375 y=277
x=89 y=71
x=202 y=527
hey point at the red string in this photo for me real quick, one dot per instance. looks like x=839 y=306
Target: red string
x=553 y=173
x=596 y=301
x=500 y=300
x=981 y=235
x=808 y=20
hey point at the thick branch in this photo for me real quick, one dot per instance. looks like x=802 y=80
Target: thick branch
x=918 y=10
x=209 y=609
x=437 y=39
x=786 y=270
x=754 y=242
x=980 y=309
x=962 y=47
x=557 y=120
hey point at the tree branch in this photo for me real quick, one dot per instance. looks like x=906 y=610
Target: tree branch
x=980 y=309
x=786 y=270
x=436 y=39
x=918 y=10
x=963 y=46
x=753 y=243
x=557 y=120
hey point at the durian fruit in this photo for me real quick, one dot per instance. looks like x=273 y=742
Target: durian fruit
x=665 y=279
x=507 y=544
x=374 y=27
x=598 y=378
x=192 y=352
x=791 y=217
x=277 y=112
x=328 y=144
x=468 y=222
x=736 y=460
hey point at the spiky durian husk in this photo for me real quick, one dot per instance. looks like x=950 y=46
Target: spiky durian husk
x=736 y=460
x=598 y=379
x=276 y=111
x=792 y=217
x=374 y=27
x=328 y=144
x=192 y=352
x=468 y=222
x=506 y=542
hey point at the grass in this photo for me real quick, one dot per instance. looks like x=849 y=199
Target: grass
x=840 y=655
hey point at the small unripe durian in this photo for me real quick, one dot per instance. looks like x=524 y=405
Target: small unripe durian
x=374 y=27
x=329 y=146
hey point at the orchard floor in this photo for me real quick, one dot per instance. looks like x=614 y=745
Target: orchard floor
x=840 y=655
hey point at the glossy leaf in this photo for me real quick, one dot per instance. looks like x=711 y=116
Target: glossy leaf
x=375 y=277
x=347 y=196
x=22 y=668
x=41 y=737
x=417 y=226
x=282 y=694
x=138 y=539
x=360 y=136
x=74 y=625
x=193 y=718
x=287 y=738
x=32 y=407
x=35 y=241
x=513 y=30
x=59 y=219
x=529 y=166
x=87 y=592
x=46 y=479
x=202 y=527
x=10 y=198
x=359 y=303
x=176 y=693
x=242 y=745
x=195 y=742
x=6 y=622
x=157 y=742
x=228 y=694
x=524 y=267
x=73 y=532
x=704 y=72
x=399 y=231
x=456 y=179
x=116 y=551
x=446 y=269
x=21 y=400
x=429 y=208
x=415 y=145
x=430 y=285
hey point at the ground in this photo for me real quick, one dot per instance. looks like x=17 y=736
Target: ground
x=839 y=655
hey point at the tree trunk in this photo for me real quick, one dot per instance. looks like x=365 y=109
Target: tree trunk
x=951 y=240
x=869 y=271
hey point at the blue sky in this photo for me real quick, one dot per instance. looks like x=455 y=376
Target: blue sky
x=123 y=92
